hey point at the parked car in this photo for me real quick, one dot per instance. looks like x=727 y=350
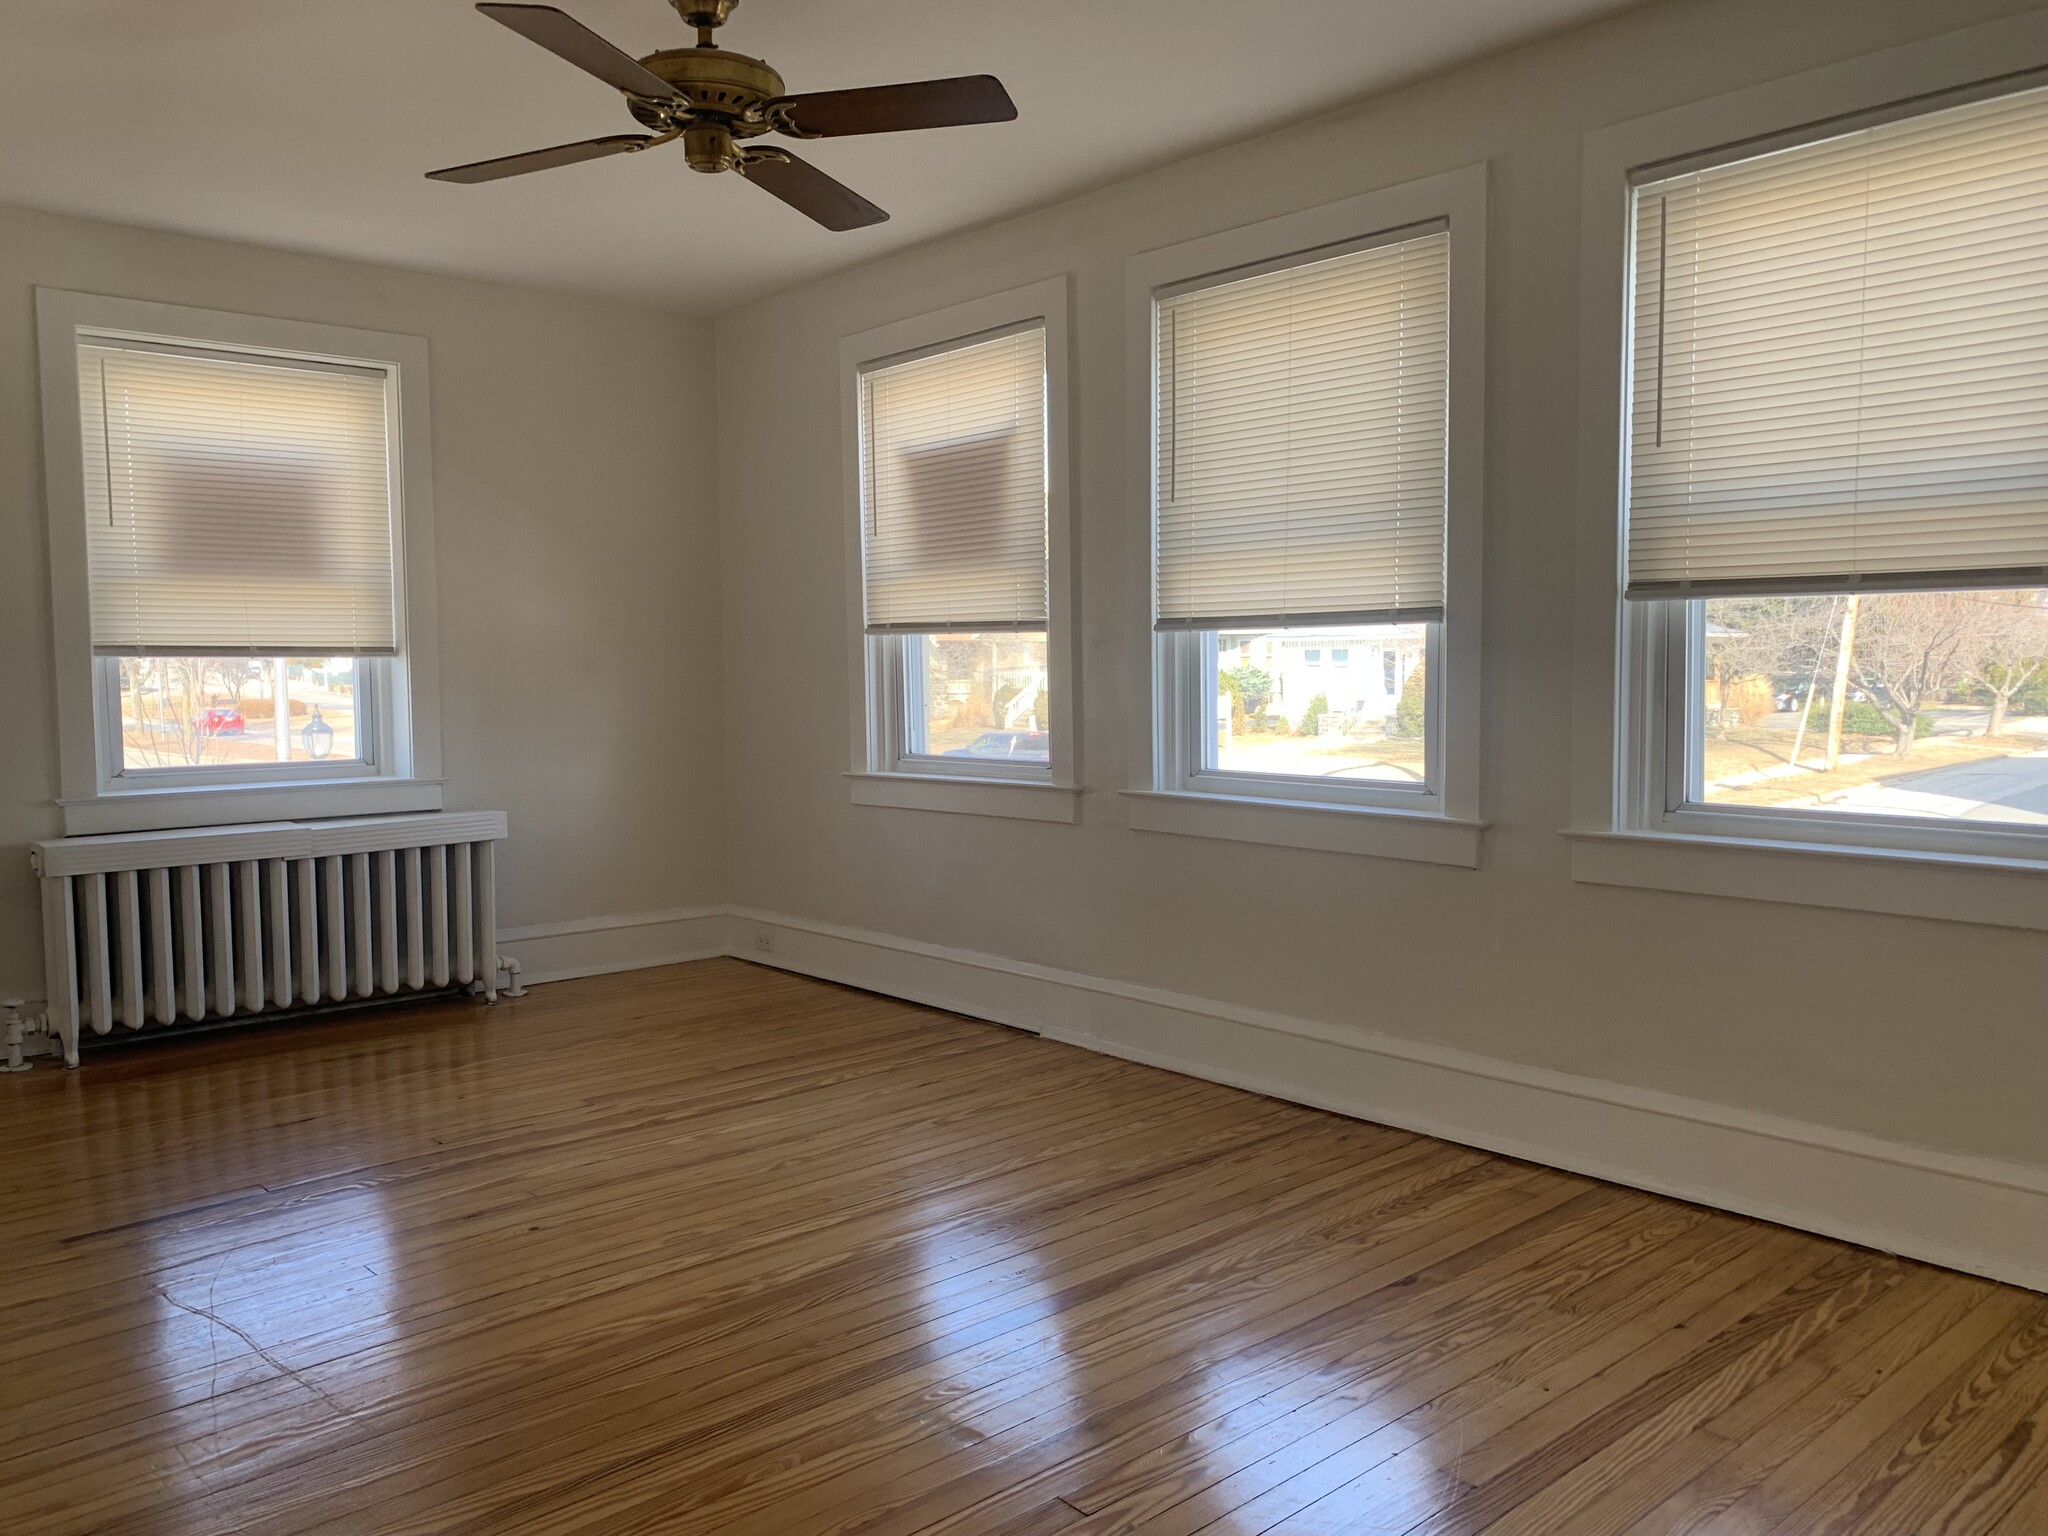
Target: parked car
x=1034 y=744
x=222 y=721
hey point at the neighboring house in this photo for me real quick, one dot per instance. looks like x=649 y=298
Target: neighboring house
x=1360 y=675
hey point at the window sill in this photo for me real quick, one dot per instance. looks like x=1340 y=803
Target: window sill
x=1960 y=888
x=1418 y=836
x=1019 y=799
x=225 y=805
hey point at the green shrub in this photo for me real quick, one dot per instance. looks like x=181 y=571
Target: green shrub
x=1862 y=719
x=1312 y=717
x=2030 y=698
x=1411 y=712
x=1248 y=685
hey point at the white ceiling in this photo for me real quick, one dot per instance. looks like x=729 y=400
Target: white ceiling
x=307 y=124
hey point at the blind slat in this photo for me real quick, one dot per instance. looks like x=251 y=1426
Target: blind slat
x=1301 y=443
x=953 y=463
x=1840 y=370
x=235 y=507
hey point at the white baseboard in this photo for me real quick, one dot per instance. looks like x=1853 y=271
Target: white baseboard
x=1975 y=1214
x=1969 y=1213
x=597 y=946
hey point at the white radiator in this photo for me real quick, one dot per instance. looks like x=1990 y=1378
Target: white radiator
x=162 y=927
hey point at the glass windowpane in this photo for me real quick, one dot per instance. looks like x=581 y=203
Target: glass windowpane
x=185 y=712
x=980 y=697
x=1315 y=703
x=1946 y=714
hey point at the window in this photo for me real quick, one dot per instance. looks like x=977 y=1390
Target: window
x=957 y=427
x=953 y=541
x=230 y=541
x=1837 y=491
x=1313 y=479
x=1301 y=477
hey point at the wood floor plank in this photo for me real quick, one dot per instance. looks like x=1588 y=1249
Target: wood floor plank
x=1328 y=1332
x=1553 y=1483
x=1429 y=1410
x=719 y=1249
x=783 y=1233
x=2029 y=1512
x=1767 y=1428
x=985 y=1355
x=1982 y=1423
x=1847 y=1451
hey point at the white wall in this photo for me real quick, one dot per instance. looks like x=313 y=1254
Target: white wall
x=1920 y=1031
x=574 y=486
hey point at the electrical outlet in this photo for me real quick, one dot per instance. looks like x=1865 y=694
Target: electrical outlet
x=765 y=943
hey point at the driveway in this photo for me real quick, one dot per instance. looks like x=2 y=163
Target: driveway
x=1997 y=789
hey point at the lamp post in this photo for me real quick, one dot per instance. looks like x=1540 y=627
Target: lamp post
x=318 y=736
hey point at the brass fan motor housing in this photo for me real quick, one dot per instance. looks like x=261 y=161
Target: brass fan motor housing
x=733 y=88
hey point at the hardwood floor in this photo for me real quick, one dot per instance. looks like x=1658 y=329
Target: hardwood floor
x=716 y=1249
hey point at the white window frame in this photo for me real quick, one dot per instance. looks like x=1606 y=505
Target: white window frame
x=882 y=771
x=401 y=726
x=1634 y=712
x=1174 y=788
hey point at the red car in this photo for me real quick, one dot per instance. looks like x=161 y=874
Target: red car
x=221 y=721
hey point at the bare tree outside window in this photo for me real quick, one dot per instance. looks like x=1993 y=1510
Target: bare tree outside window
x=1911 y=649
x=2014 y=651
x=170 y=714
x=1761 y=650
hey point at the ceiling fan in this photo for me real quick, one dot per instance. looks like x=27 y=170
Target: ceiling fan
x=713 y=99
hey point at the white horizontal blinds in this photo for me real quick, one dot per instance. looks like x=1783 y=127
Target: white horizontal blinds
x=235 y=505
x=1841 y=363
x=954 y=460
x=1301 y=442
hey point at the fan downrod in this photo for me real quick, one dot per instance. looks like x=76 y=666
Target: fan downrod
x=707 y=16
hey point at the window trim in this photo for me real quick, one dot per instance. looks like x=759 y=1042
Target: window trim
x=1440 y=825
x=880 y=771
x=1622 y=828
x=94 y=796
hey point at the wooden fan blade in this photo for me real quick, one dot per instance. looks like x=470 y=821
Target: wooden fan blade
x=810 y=191
x=541 y=159
x=893 y=108
x=567 y=38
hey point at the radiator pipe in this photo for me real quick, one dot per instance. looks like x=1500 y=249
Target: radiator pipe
x=10 y=1008
x=510 y=967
